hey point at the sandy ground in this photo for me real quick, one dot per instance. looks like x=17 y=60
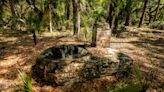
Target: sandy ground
x=144 y=46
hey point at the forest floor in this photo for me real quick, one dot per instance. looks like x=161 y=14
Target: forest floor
x=145 y=46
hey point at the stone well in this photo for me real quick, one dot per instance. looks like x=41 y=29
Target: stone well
x=73 y=63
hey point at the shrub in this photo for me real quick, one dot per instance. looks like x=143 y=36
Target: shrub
x=27 y=81
x=157 y=25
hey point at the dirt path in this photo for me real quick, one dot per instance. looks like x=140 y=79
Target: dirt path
x=144 y=46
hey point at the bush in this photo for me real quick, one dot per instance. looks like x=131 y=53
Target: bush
x=140 y=86
x=157 y=25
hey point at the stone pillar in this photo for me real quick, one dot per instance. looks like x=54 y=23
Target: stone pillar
x=103 y=37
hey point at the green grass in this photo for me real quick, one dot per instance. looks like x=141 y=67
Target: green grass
x=27 y=81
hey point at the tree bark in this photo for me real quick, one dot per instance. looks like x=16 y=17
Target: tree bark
x=76 y=17
x=12 y=8
x=67 y=9
x=114 y=30
x=156 y=13
x=94 y=35
x=143 y=13
x=34 y=37
x=50 y=19
x=150 y=15
x=127 y=21
x=110 y=17
x=128 y=12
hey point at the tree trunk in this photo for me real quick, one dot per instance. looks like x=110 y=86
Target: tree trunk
x=150 y=15
x=110 y=17
x=13 y=12
x=12 y=8
x=78 y=23
x=50 y=19
x=114 y=30
x=76 y=17
x=143 y=13
x=128 y=12
x=156 y=13
x=42 y=5
x=94 y=35
x=67 y=9
x=127 y=21
x=34 y=36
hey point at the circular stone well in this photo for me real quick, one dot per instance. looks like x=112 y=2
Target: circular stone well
x=72 y=63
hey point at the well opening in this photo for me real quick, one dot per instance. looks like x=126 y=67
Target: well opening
x=67 y=64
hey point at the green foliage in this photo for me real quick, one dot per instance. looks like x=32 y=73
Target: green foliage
x=34 y=21
x=157 y=25
x=118 y=6
x=137 y=72
x=86 y=33
x=91 y=11
x=95 y=10
x=27 y=81
x=59 y=18
x=68 y=24
x=135 y=18
x=134 y=87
